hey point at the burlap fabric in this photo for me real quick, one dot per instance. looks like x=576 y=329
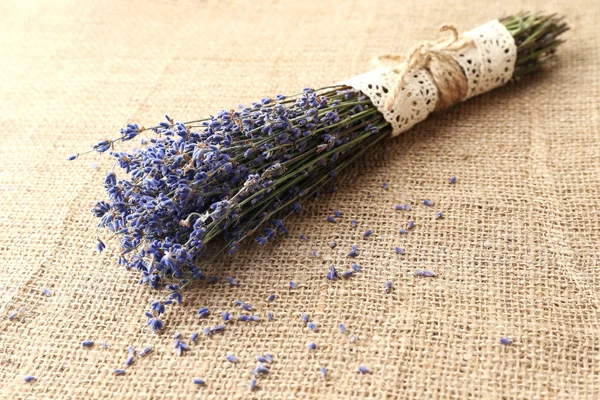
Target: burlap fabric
x=517 y=252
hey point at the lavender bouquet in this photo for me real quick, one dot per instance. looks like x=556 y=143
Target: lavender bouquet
x=201 y=188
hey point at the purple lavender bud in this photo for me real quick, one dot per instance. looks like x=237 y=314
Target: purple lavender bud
x=406 y=207
x=347 y=274
x=305 y=317
x=332 y=273
x=203 y=312
x=231 y=359
x=352 y=338
x=293 y=285
x=29 y=378
x=410 y=225
x=363 y=370
x=439 y=215
x=194 y=337
x=399 y=207
x=342 y=328
x=269 y=358
x=333 y=244
x=452 y=179
x=403 y=231
x=270 y=316
x=399 y=250
x=247 y=307
x=119 y=372
x=355 y=267
x=100 y=245
x=353 y=223
x=177 y=335
x=331 y=219
x=129 y=360
x=212 y=279
x=312 y=326
x=385 y=186
x=207 y=331
x=155 y=323
x=367 y=233
x=231 y=281
x=218 y=328
x=12 y=315
x=353 y=252
x=388 y=286
x=243 y=318
x=312 y=346
x=315 y=253
x=46 y=292
x=428 y=203
x=323 y=372
x=261 y=359
x=199 y=382
x=506 y=341
x=303 y=237
x=254 y=318
x=87 y=343
x=261 y=369
x=226 y=316
x=337 y=213
x=271 y=297
x=253 y=384
x=145 y=352
x=72 y=157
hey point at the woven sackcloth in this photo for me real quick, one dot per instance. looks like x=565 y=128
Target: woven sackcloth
x=517 y=254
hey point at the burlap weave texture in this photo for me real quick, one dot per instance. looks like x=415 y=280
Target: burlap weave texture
x=516 y=253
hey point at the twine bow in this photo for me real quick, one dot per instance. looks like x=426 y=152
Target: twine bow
x=436 y=58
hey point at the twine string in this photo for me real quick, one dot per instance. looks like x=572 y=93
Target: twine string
x=436 y=58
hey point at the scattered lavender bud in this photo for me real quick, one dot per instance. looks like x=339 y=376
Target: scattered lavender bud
x=333 y=244
x=399 y=207
x=247 y=307
x=254 y=318
x=131 y=351
x=243 y=318
x=207 y=331
x=129 y=360
x=399 y=250
x=323 y=372
x=143 y=141
x=439 y=215
x=72 y=157
x=332 y=273
x=198 y=381
x=103 y=345
x=231 y=281
x=218 y=328
x=232 y=359
x=203 y=313
x=352 y=338
x=342 y=328
x=29 y=378
x=388 y=286
x=226 y=316
x=315 y=253
x=46 y=292
x=355 y=267
x=353 y=223
x=403 y=231
x=177 y=335
x=146 y=351
x=180 y=347
x=253 y=384
x=353 y=252
x=119 y=372
x=367 y=234
x=347 y=274
x=261 y=359
x=363 y=370
x=305 y=318
x=269 y=358
x=293 y=285
x=331 y=219
x=427 y=273
x=385 y=186
x=312 y=326
x=271 y=297
x=410 y=225
x=303 y=237
x=312 y=346
x=270 y=316
x=13 y=315
x=428 y=203
x=452 y=180
x=337 y=213
x=238 y=303
x=506 y=341
x=87 y=343
x=261 y=369
x=213 y=279
x=194 y=337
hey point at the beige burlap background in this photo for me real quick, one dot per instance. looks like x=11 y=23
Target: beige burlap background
x=517 y=253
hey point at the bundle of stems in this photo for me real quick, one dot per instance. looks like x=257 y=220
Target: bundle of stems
x=201 y=188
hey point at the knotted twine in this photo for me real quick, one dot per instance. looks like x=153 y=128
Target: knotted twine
x=437 y=59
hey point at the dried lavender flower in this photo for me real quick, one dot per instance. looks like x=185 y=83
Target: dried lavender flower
x=337 y=213
x=388 y=286
x=271 y=297
x=506 y=341
x=363 y=370
x=347 y=274
x=403 y=231
x=439 y=215
x=399 y=250
x=399 y=207
x=427 y=202
x=231 y=281
x=29 y=378
x=253 y=384
x=367 y=233
x=312 y=346
x=198 y=381
x=332 y=273
x=342 y=328
x=269 y=358
x=312 y=326
x=46 y=292
x=87 y=343
x=305 y=318
x=355 y=267
x=270 y=316
x=194 y=337
x=12 y=315
x=331 y=219
x=353 y=223
x=293 y=285
x=353 y=252
x=145 y=352
x=385 y=186
x=119 y=372
x=231 y=359
x=323 y=372
x=452 y=179
x=426 y=273
x=180 y=347
x=261 y=369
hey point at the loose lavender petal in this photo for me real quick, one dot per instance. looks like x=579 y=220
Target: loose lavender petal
x=342 y=328
x=353 y=252
x=399 y=207
x=312 y=326
x=12 y=315
x=439 y=215
x=506 y=341
x=355 y=267
x=177 y=335
x=353 y=223
x=87 y=343
x=46 y=292
x=29 y=378
x=363 y=370
x=119 y=372
x=194 y=337
x=145 y=352
x=323 y=372
x=269 y=358
x=399 y=250
x=312 y=346
x=403 y=231
x=410 y=225
x=452 y=180
x=427 y=202
x=331 y=219
x=347 y=274
x=367 y=233
x=270 y=316
x=293 y=285
x=199 y=382
x=253 y=384
x=231 y=359
x=271 y=297
x=231 y=281
x=388 y=286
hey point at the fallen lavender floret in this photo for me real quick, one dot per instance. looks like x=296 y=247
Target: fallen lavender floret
x=426 y=273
